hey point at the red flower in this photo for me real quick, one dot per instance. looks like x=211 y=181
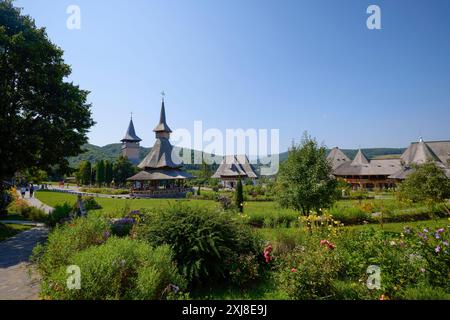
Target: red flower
x=293 y=270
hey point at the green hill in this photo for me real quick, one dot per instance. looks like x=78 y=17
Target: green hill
x=110 y=152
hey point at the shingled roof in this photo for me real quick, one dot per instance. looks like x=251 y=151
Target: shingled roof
x=360 y=159
x=336 y=158
x=160 y=174
x=382 y=167
x=130 y=135
x=235 y=166
x=160 y=156
x=421 y=152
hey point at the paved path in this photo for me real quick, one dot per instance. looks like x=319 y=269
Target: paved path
x=18 y=279
x=34 y=202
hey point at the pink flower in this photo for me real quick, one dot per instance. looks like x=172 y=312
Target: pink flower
x=267 y=252
x=383 y=297
x=293 y=270
x=329 y=244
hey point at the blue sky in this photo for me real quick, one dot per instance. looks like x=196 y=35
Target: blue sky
x=290 y=65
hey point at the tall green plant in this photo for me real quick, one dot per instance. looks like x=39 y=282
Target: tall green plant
x=239 y=197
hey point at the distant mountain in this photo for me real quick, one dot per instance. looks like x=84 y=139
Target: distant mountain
x=111 y=152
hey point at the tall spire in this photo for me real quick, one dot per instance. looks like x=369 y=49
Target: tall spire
x=162 y=125
x=130 y=135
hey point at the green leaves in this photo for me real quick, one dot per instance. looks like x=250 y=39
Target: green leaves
x=43 y=119
x=305 y=182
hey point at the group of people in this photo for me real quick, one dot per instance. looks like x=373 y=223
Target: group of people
x=24 y=188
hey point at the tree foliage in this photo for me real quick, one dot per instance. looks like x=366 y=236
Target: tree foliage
x=85 y=173
x=239 y=197
x=305 y=182
x=100 y=175
x=123 y=169
x=427 y=183
x=109 y=173
x=43 y=119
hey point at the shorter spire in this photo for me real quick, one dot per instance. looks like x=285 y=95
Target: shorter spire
x=130 y=135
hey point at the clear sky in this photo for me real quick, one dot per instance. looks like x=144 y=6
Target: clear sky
x=288 y=64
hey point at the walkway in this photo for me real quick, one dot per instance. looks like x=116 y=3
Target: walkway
x=18 y=279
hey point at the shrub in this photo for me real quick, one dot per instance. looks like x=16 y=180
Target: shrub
x=208 y=245
x=425 y=293
x=68 y=239
x=118 y=269
x=21 y=207
x=122 y=227
x=109 y=191
x=309 y=272
x=59 y=214
x=90 y=203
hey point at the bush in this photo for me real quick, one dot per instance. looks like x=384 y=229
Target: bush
x=90 y=203
x=60 y=213
x=118 y=269
x=309 y=272
x=109 y=191
x=66 y=240
x=21 y=207
x=122 y=227
x=208 y=245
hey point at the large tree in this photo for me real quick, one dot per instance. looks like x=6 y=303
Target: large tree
x=43 y=118
x=305 y=182
x=427 y=183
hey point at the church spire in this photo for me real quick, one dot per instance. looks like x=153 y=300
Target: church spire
x=130 y=135
x=162 y=125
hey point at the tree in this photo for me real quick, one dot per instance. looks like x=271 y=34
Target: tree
x=427 y=183
x=239 y=196
x=43 y=119
x=123 y=169
x=109 y=174
x=305 y=182
x=84 y=173
x=100 y=175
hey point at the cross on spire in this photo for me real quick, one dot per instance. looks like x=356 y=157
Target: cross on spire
x=163 y=94
x=131 y=114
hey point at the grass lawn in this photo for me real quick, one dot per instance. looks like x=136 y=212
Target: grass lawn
x=10 y=230
x=261 y=213
x=111 y=206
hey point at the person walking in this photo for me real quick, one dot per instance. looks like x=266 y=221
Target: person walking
x=23 y=190
x=31 y=190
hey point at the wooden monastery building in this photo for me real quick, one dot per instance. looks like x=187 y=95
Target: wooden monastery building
x=162 y=175
x=233 y=168
x=362 y=173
